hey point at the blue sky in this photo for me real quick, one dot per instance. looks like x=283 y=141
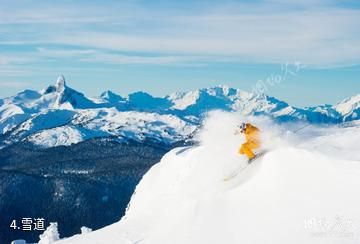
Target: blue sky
x=165 y=46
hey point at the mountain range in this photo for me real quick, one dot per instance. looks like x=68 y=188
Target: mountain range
x=76 y=160
x=59 y=115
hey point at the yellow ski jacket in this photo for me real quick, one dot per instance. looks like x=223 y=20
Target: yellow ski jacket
x=252 y=134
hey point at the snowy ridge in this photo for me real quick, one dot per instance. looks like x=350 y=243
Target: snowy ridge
x=38 y=109
x=91 y=123
x=285 y=197
x=349 y=108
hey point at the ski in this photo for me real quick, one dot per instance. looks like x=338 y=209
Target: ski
x=236 y=172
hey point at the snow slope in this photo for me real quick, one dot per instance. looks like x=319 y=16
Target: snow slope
x=349 y=108
x=109 y=122
x=294 y=194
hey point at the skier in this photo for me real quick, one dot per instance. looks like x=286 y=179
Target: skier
x=252 y=136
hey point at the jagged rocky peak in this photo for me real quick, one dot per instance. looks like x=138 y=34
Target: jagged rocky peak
x=60 y=84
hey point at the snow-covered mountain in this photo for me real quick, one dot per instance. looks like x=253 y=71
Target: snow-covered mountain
x=303 y=191
x=17 y=109
x=60 y=115
x=349 y=109
x=109 y=122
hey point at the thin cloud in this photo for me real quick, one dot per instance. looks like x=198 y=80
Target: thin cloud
x=101 y=56
x=258 y=33
x=58 y=53
x=14 y=84
x=126 y=59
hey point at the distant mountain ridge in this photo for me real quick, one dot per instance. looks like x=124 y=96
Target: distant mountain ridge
x=59 y=115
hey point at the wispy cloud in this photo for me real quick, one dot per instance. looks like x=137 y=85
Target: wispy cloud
x=60 y=53
x=11 y=59
x=305 y=36
x=265 y=32
x=14 y=84
x=97 y=56
x=133 y=59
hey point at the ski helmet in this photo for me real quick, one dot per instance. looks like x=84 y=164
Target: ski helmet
x=242 y=127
